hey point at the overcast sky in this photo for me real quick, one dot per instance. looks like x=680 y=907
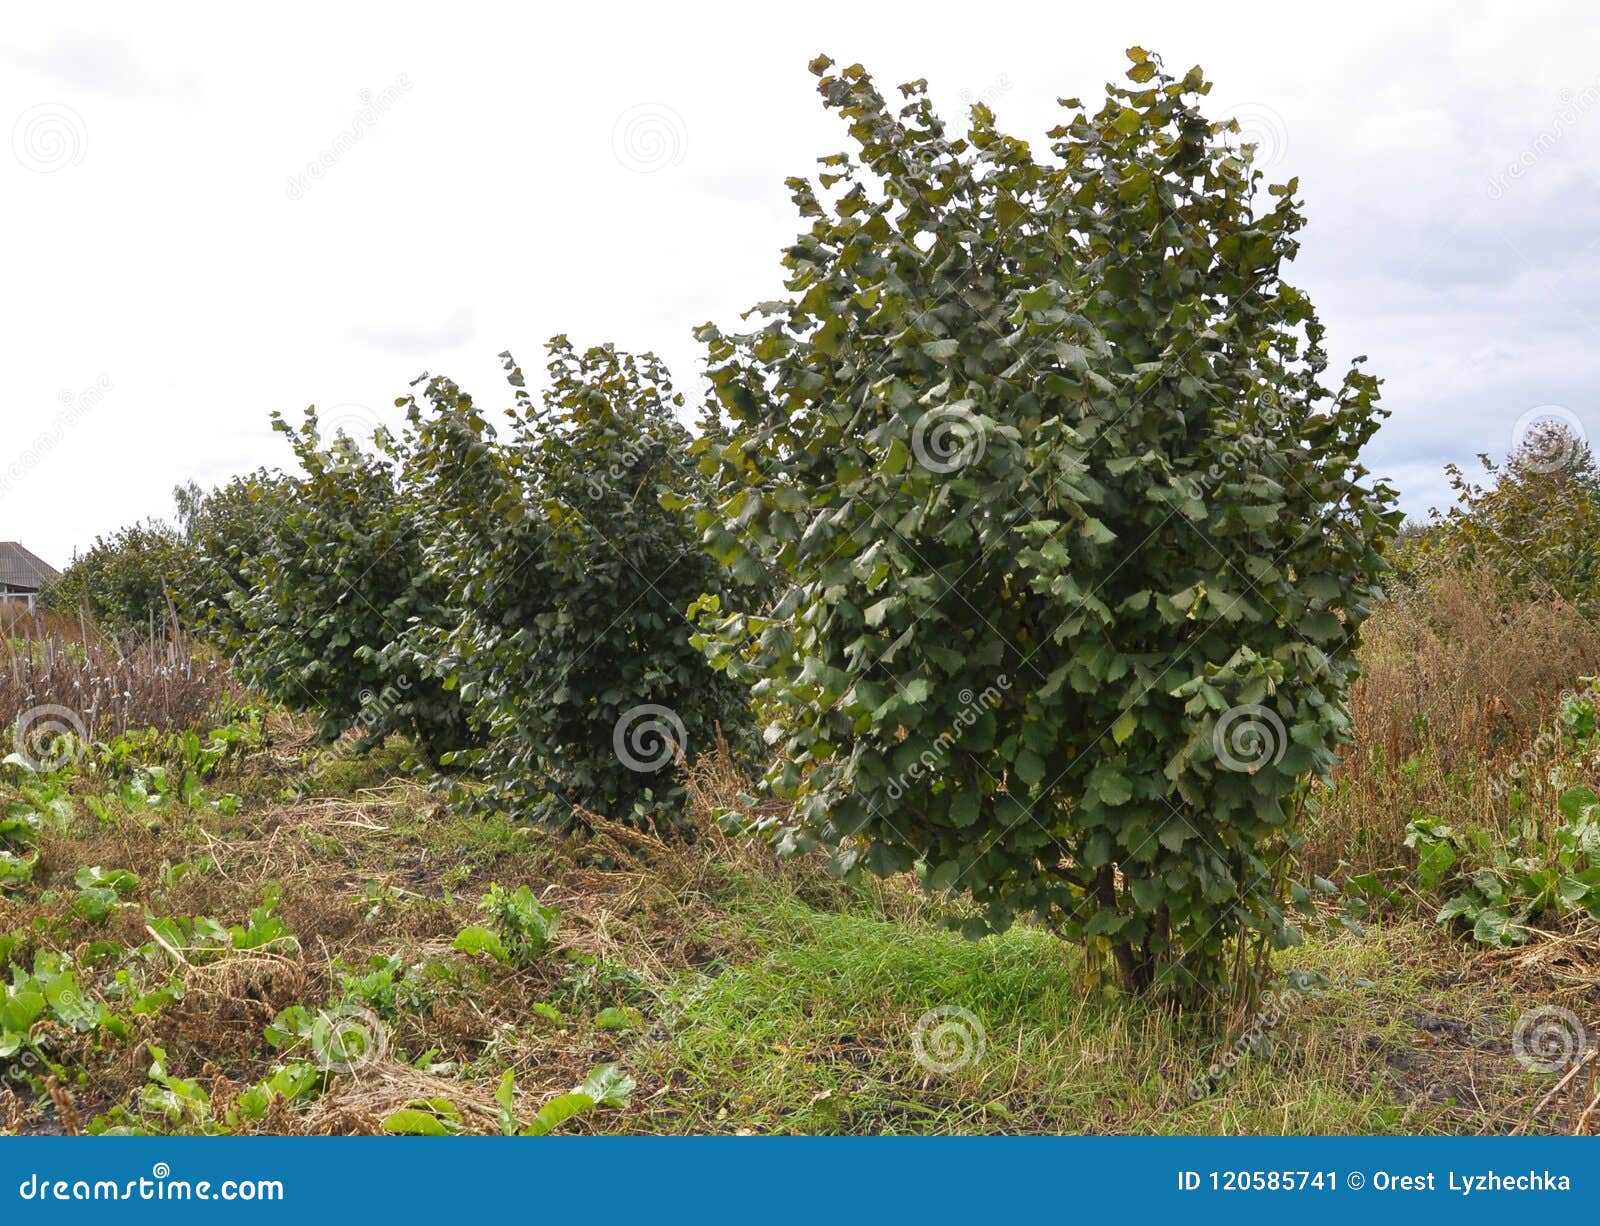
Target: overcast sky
x=211 y=213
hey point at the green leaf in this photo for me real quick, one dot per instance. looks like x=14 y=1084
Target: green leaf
x=1148 y=892
x=1433 y=862
x=608 y=1085
x=876 y=612
x=505 y=1093
x=1029 y=767
x=411 y=1122
x=476 y=939
x=1174 y=833
x=944 y=877
x=1126 y=723
x=1097 y=849
x=623 y=1017
x=1114 y=787
x=1492 y=927
x=557 y=1112
x=1576 y=801
x=1127 y=121
x=965 y=808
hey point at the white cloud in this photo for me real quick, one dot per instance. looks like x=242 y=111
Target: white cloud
x=494 y=201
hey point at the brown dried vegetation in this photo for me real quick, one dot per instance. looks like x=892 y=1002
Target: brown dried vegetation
x=1458 y=681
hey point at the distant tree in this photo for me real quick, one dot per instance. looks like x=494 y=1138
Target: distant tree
x=324 y=583
x=228 y=530
x=149 y=573
x=1406 y=553
x=126 y=582
x=1535 y=522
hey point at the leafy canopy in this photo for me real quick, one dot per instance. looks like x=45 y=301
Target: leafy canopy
x=1535 y=522
x=226 y=528
x=1075 y=540
x=318 y=583
x=571 y=579
x=128 y=582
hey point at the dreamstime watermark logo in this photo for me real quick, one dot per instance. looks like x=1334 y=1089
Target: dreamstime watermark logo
x=347 y=1038
x=1544 y=743
x=1251 y=448
x=50 y=737
x=648 y=737
x=49 y=137
x=649 y=137
x=357 y=422
x=599 y=486
x=158 y=1185
x=1548 y=439
x=75 y=406
x=996 y=88
x=947 y=1038
x=1248 y=737
x=949 y=438
x=23 y=1068
x=972 y=708
x=1261 y=126
x=922 y=162
x=1549 y=1039
x=924 y=158
x=1572 y=108
x=25 y=1071
x=374 y=106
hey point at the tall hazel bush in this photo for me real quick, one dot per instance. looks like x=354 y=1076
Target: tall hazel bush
x=572 y=650
x=227 y=529
x=336 y=588
x=1078 y=543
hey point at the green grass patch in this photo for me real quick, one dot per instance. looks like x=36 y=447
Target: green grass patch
x=850 y=1022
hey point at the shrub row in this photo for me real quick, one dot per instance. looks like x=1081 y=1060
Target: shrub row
x=1023 y=514
x=511 y=599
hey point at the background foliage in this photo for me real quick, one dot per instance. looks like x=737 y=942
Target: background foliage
x=329 y=587
x=572 y=579
x=1535 y=523
x=128 y=582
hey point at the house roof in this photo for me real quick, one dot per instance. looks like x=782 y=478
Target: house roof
x=19 y=568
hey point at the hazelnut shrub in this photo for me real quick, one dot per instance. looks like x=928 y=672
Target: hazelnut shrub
x=1072 y=542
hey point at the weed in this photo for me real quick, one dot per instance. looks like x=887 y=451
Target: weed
x=521 y=927
x=1500 y=888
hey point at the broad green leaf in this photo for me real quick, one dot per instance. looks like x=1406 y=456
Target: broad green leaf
x=411 y=1122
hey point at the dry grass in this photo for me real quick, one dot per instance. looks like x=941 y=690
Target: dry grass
x=640 y=914
x=1457 y=682
x=774 y=997
x=1465 y=671
x=17 y=621
x=108 y=688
